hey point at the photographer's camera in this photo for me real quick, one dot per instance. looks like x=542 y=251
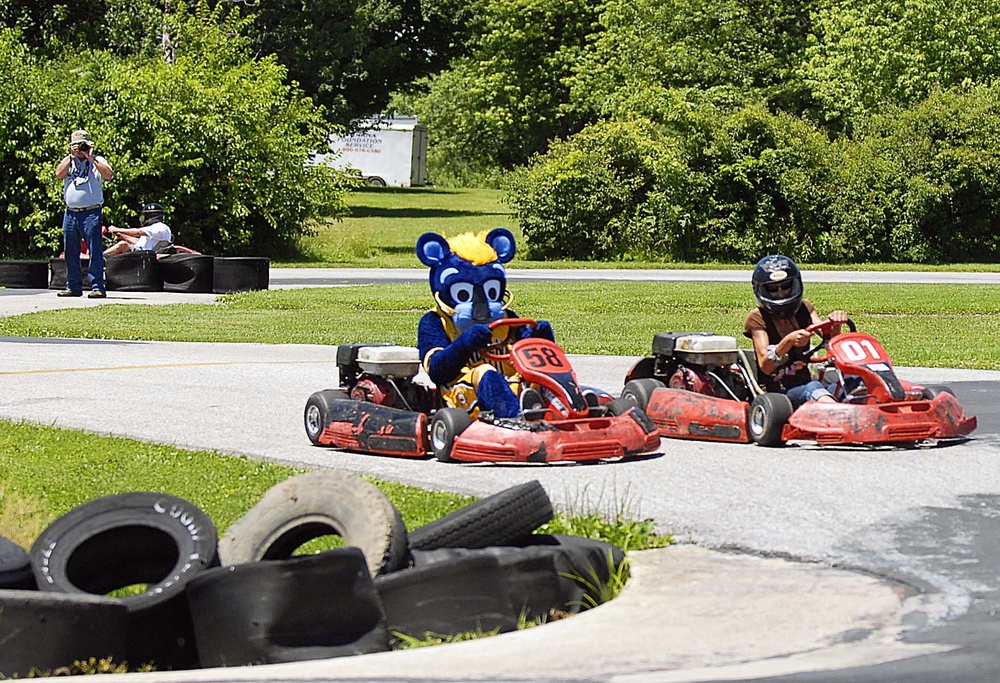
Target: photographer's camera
x=83 y=146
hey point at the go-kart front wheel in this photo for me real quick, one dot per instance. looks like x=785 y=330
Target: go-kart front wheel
x=931 y=392
x=640 y=390
x=446 y=425
x=768 y=415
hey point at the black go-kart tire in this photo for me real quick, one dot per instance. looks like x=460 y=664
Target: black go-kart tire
x=446 y=424
x=15 y=567
x=302 y=608
x=317 y=413
x=130 y=539
x=639 y=391
x=619 y=406
x=24 y=274
x=240 y=274
x=501 y=519
x=768 y=415
x=190 y=273
x=931 y=392
x=133 y=271
x=447 y=598
x=316 y=504
x=57 y=270
x=42 y=632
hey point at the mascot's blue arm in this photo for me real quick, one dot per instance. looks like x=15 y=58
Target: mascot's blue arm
x=446 y=364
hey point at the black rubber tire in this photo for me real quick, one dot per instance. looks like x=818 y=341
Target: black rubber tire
x=133 y=271
x=500 y=519
x=586 y=562
x=768 y=414
x=24 y=274
x=316 y=504
x=302 y=608
x=133 y=538
x=534 y=582
x=15 y=568
x=46 y=631
x=191 y=273
x=639 y=391
x=57 y=272
x=240 y=274
x=933 y=390
x=447 y=598
x=619 y=406
x=317 y=413
x=375 y=181
x=446 y=424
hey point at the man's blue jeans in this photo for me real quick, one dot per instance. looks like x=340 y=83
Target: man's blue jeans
x=86 y=226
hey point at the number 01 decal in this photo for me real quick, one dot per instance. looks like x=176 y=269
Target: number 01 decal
x=860 y=350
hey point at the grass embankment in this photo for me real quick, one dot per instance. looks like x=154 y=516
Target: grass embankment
x=921 y=325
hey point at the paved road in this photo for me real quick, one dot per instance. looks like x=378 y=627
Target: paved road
x=920 y=525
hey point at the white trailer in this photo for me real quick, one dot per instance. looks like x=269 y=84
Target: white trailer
x=386 y=152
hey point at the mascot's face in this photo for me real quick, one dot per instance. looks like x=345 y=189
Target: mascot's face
x=467 y=274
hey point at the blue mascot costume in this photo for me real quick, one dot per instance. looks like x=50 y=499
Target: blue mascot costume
x=469 y=285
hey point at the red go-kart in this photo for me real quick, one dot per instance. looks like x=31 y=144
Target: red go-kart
x=381 y=407
x=701 y=386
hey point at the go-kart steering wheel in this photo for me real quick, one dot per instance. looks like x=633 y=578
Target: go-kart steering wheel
x=824 y=329
x=500 y=352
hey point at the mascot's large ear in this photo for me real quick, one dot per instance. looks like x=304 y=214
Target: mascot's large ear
x=502 y=241
x=432 y=249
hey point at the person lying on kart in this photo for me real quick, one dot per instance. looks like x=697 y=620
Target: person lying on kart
x=778 y=330
x=469 y=285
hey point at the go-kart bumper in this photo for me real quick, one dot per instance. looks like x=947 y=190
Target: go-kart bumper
x=372 y=428
x=900 y=422
x=681 y=414
x=578 y=440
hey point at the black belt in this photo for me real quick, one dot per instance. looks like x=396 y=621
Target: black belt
x=78 y=209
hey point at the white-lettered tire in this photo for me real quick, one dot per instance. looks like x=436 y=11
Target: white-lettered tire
x=768 y=415
x=130 y=539
x=316 y=504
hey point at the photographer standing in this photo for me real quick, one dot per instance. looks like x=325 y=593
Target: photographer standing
x=83 y=174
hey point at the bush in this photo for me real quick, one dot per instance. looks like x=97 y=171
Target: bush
x=217 y=138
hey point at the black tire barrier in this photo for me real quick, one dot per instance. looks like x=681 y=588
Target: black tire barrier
x=500 y=519
x=307 y=607
x=57 y=273
x=588 y=563
x=534 y=582
x=448 y=598
x=128 y=539
x=24 y=274
x=46 y=631
x=192 y=273
x=315 y=504
x=15 y=568
x=240 y=274
x=133 y=271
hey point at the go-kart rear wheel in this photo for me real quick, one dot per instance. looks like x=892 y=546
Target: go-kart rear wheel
x=446 y=425
x=640 y=390
x=317 y=414
x=768 y=415
x=619 y=406
x=931 y=392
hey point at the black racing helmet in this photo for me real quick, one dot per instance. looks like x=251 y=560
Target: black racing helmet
x=152 y=212
x=777 y=284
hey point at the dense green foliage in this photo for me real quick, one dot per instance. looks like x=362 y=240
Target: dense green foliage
x=217 y=137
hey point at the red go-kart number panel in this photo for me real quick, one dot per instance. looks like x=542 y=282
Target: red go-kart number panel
x=541 y=356
x=857 y=349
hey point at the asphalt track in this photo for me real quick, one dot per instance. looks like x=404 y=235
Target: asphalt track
x=797 y=564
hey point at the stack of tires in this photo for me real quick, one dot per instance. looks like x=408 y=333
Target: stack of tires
x=23 y=274
x=145 y=271
x=194 y=600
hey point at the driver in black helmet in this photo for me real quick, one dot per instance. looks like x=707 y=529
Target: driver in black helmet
x=777 y=328
x=151 y=235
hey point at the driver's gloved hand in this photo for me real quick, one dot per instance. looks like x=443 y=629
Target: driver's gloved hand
x=474 y=338
x=543 y=330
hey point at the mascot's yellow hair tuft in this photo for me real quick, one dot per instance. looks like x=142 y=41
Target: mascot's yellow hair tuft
x=473 y=248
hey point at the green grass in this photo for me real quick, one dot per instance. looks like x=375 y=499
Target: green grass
x=922 y=325
x=384 y=224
